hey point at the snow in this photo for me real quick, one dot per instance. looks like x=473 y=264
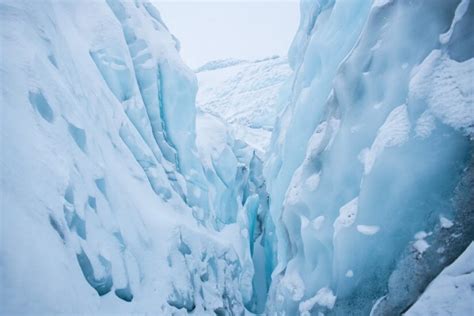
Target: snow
x=421 y=235
x=244 y=94
x=347 y=215
x=425 y=125
x=445 y=223
x=218 y=64
x=368 y=229
x=324 y=298
x=393 y=132
x=440 y=81
x=451 y=292
x=421 y=245
x=294 y=285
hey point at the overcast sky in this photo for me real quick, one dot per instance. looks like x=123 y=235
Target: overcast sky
x=218 y=29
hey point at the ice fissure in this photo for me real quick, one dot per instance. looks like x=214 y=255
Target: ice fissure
x=335 y=181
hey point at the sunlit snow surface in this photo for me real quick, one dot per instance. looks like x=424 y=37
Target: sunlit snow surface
x=375 y=145
x=451 y=292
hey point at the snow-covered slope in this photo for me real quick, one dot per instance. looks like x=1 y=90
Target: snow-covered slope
x=373 y=149
x=451 y=292
x=106 y=207
x=245 y=94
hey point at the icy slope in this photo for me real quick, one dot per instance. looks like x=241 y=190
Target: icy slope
x=451 y=292
x=245 y=94
x=372 y=158
x=105 y=204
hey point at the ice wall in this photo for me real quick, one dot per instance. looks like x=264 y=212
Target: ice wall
x=370 y=163
x=238 y=193
x=105 y=203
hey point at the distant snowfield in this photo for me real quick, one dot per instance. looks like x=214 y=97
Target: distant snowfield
x=245 y=94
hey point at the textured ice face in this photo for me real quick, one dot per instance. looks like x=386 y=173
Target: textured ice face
x=374 y=145
x=105 y=202
x=105 y=196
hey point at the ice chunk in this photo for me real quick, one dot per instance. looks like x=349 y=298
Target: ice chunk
x=440 y=80
x=421 y=245
x=425 y=125
x=294 y=285
x=393 y=132
x=324 y=298
x=421 y=235
x=347 y=215
x=367 y=229
x=445 y=223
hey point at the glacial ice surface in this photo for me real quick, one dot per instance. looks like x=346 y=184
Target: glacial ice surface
x=104 y=194
x=374 y=145
x=117 y=190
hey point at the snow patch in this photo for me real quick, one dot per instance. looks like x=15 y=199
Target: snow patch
x=445 y=223
x=324 y=297
x=421 y=245
x=367 y=230
x=440 y=81
x=347 y=215
x=394 y=132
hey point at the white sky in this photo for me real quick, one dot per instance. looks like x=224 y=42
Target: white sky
x=218 y=29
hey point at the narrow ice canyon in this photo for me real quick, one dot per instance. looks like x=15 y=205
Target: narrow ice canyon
x=336 y=180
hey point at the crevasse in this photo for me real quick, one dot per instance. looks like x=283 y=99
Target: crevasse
x=374 y=147
x=119 y=195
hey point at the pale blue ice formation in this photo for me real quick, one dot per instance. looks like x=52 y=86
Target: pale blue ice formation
x=374 y=146
x=335 y=181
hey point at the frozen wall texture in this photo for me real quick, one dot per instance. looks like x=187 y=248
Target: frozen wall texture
x=106 y=205
x=118 y=196
x=370 y=171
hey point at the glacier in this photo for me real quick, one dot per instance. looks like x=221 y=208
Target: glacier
x=337 y=180
x=373 y=147
x=104 y=194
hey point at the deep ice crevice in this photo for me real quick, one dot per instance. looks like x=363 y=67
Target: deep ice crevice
x=365 y=194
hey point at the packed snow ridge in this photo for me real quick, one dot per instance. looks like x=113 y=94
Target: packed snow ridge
x=336 y=181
